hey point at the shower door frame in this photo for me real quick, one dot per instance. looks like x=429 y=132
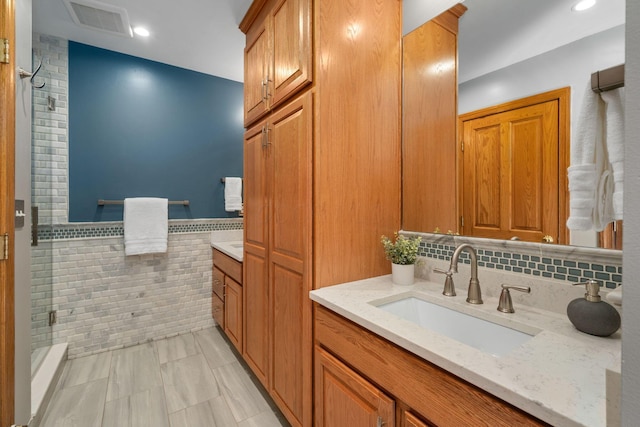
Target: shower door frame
x=7 y=195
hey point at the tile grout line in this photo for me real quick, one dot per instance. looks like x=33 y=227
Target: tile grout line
x=106 y=392
x=164 y=392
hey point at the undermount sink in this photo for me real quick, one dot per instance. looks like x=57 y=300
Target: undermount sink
x=236 y=245
x=489 y=337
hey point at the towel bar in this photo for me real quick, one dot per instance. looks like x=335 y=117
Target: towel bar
x=102 y=202
x=609 y=79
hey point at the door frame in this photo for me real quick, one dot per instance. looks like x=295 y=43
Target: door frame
x=7 y=195
x=563 y=96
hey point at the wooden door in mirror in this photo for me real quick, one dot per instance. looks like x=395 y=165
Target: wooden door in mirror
x=513 y=171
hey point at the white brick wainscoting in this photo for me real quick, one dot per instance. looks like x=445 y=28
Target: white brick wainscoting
x=105 y=300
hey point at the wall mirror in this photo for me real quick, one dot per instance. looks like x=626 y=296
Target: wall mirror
x=507 y=51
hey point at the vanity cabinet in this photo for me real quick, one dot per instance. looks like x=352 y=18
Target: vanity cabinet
x=227 y=296
x=429 y=117
x=322 y=176
x=277 y=54
x=429 y=395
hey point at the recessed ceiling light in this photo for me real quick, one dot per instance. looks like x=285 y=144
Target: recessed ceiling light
x=141 y=31
x=583 y=5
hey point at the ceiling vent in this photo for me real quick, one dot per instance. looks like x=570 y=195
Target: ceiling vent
x=99 y=16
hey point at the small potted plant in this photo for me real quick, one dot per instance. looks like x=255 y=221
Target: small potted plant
x=403 y=253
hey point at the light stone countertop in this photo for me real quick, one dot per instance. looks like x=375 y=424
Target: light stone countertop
x=229 y=242
x=558 y=376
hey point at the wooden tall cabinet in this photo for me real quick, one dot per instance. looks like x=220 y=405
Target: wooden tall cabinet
x=277 y=253
x=277 y=55
x=429 y=118
x=256 y=241
x=321 y=174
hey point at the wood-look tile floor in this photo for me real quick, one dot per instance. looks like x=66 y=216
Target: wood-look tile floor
x=192 y=380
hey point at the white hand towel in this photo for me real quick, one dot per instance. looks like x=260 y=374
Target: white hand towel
x=586 y=163
x=232 y=194
x=614 y=100
x=146 y=225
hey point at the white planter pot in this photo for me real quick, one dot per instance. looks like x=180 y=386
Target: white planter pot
x=402 y=274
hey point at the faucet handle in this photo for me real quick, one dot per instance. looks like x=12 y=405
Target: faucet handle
x=449 y=288
x=505 y=304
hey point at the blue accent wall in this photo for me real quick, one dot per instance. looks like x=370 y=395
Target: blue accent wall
x=139 y=128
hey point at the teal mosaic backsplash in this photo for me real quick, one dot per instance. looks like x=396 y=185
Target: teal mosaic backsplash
x=116 y=229
x=564 y=263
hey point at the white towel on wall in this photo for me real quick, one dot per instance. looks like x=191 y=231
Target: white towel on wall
x=232 y=194
x=586 y=162
x=146 y=225
x=614 y=100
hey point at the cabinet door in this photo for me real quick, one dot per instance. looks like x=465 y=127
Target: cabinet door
x=291 y=48
x=255 y=285
x=344 y=398
x=233 y=311
x=290 y=142
x=256 y=72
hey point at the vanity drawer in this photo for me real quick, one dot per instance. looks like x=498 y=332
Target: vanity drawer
x=218 y=282
x=230 y=266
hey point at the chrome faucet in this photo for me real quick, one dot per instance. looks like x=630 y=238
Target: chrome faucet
x=474 y=295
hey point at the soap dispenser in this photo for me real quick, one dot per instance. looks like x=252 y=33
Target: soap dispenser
x=592 y=315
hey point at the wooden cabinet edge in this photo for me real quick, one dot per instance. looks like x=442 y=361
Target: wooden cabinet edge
x=433 y=393
x=251 y=15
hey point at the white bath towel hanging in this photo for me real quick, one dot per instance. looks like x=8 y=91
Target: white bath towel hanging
x=146 y=225
x=586 y=166
x=614 y=100
x=232 y=194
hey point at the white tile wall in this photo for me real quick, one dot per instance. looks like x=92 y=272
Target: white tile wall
x=50 y=130
x=105 y=300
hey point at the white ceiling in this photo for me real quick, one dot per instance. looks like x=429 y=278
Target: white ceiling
x=200 y=35
x=497 y=33
x=203 y=35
